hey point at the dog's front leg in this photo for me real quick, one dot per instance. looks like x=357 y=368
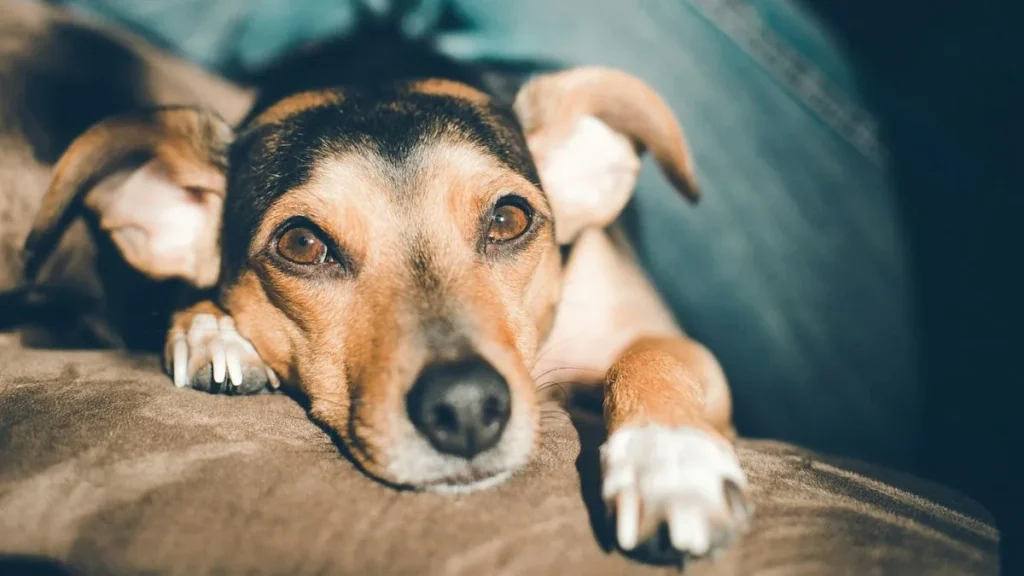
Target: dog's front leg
x=669 y=458
x=205 y=351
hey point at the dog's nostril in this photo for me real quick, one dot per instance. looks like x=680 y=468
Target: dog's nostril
x=492 y=411
x=461 y=408
x=445 y=418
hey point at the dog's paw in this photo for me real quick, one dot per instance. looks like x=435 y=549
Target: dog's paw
x=204 y=351
x=681 y=483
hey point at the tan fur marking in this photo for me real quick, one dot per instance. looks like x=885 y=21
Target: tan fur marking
x=182 y=319
x=451 y=88
x=673 y=382
x=293 y=105
x=542 y=295
x=269 y=331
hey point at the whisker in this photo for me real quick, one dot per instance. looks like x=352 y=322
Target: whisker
x=562 y=387
x=560 y=368
x=552 y=384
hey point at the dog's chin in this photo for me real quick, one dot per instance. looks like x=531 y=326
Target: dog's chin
x=465 y=487
x=430 y=471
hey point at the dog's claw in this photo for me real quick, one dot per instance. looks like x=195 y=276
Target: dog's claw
x=628 y=519
x=683 y=523
x=219 y=364
x=179 y=369
x=272 y=379
x=234 y=368
x=209 y=354
x=683 y=479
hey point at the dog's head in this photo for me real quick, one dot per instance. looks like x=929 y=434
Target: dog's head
x=393 y=253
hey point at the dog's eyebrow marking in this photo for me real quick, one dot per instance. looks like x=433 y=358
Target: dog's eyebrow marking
x=441 y=87
x=296 y=104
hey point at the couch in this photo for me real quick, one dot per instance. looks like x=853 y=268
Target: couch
x=106 y=468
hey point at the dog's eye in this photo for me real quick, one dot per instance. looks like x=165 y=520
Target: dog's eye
x=510 y=219
x=302 y=246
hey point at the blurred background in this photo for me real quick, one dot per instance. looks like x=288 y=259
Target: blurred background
x=853 y=262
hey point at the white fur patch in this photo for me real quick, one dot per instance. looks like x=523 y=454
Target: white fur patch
x=654 y=475
x=210 y=340
x=589 y=177
x=485 y=484
x=161 y=228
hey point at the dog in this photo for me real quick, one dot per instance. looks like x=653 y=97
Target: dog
x=412 y=251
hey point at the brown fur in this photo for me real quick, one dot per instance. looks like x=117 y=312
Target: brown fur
x=667 y=381
x=294 y=104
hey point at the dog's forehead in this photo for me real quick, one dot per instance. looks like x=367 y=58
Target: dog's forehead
x=390 y=121
x=284 y=146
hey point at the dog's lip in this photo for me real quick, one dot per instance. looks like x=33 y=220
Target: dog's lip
x=468 y=479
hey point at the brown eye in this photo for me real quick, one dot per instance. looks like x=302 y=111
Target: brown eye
x=302 y=246
x=509 y=221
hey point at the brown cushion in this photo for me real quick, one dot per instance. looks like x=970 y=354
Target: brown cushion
x=107 y=468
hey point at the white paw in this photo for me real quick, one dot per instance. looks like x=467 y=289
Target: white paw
x=681 y=477
x=211 y=355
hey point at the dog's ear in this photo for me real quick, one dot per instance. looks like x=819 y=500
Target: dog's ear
x=156 y=182
x=586 y=129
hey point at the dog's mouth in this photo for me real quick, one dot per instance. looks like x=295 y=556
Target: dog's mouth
x=483 y=482
x=418 y=466
x=412 y=461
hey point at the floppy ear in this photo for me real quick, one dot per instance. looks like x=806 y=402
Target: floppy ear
x=586 y=129
x=156 y=181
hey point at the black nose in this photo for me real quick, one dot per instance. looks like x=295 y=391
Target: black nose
x=461 y=407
